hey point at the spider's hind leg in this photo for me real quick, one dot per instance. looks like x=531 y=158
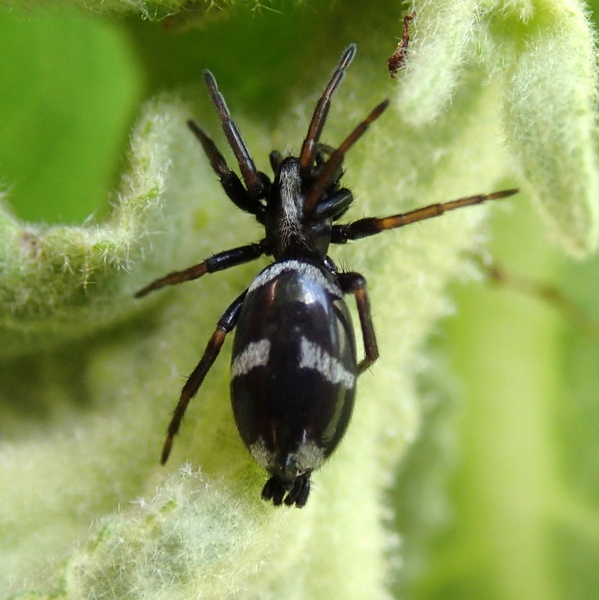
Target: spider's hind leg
x=225 y=325
x=356 y=284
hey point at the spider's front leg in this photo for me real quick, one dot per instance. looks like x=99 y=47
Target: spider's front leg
x=254 y=180
x=229 y=180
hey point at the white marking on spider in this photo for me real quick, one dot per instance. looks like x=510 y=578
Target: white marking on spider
x=314 y=357
x=255 y=354
x=309 y=456
x=301 y=267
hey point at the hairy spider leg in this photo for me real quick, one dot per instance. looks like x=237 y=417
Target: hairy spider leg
x=225 y=325
x=319 y=117
x=254 y=180
x=331 y=168
x=229 y=180
x=355 y=283
x=371 y=225
x=217 y=262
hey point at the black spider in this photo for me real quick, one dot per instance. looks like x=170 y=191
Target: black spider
x=294 y=366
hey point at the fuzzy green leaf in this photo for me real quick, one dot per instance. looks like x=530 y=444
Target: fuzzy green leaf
x=89 y=375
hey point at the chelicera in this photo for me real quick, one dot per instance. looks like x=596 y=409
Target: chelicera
x=294 y=366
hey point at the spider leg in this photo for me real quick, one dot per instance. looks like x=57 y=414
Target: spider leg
x=254 y=180
x=331 y=168
x=356 y=284
x=371 y=225
x=228 y=179
x=217 y=262
x=225 y=325
x=321 y=111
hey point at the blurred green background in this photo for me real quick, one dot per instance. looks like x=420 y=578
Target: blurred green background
x=499 y=498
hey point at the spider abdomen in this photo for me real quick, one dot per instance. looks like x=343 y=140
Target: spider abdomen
x=293 y=369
